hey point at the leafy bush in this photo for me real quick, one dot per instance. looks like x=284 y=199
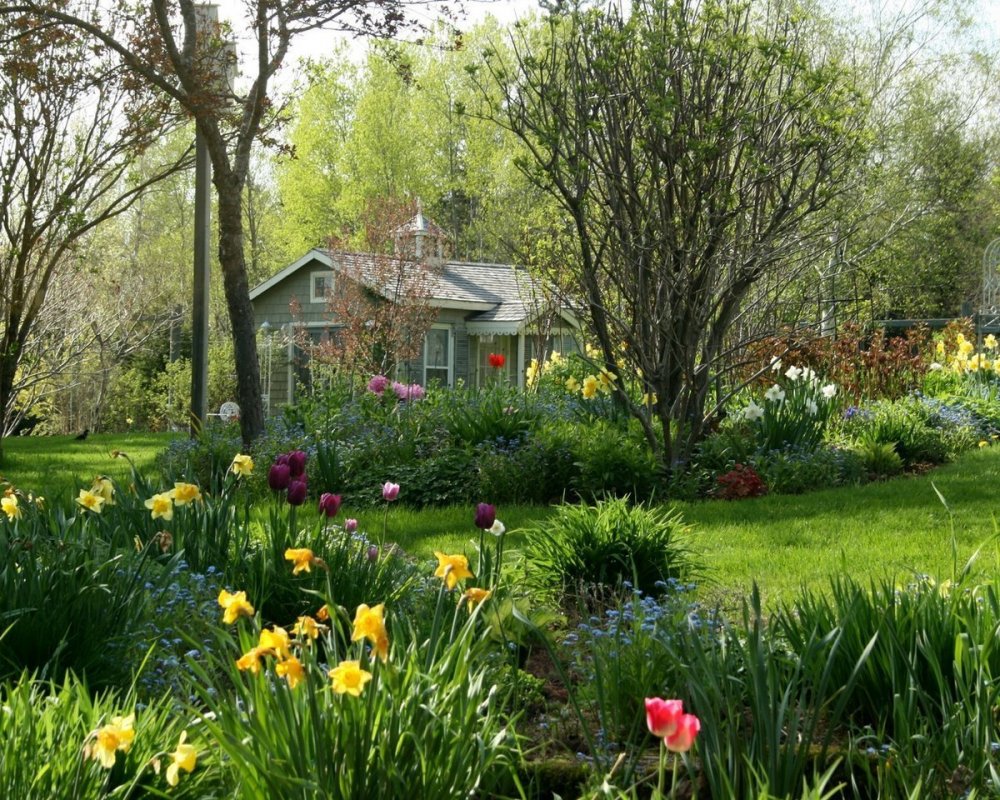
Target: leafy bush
x=608 y=543
x=740 y=483
x=613 y=462
x=879 y=460
x=795 y=470
x=906 y=424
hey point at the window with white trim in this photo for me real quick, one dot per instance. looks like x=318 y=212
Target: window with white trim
x=320 y=286
x=438 y=356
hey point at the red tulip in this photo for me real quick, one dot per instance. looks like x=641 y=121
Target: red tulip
x=497 y=360
x=329 y=504
x=682 y=738
x=663 y=716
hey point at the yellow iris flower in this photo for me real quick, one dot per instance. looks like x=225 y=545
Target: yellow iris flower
x=185 y=757
x=161 y=505
x=107 y=741
x=8 y=504
x=275 y=641
x=184 y=493
x=104 y=487
x=235 y=606
x=475 y=596
x=349 y=678
x=452 y=569
x=90 y=501
x=242 y=465
x=291 y=670
x=369 y=623
x=302 y=557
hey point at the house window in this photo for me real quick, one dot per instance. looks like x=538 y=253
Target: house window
x=320 y=286
x=437 y=356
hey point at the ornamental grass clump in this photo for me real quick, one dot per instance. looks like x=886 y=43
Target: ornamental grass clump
x=610 y=542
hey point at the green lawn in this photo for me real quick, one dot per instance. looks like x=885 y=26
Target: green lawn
x=781 y=542
x=53 y=466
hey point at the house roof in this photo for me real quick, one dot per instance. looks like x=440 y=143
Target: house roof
x=502 y=297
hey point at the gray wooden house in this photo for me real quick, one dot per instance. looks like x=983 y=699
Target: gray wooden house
x=483 y=309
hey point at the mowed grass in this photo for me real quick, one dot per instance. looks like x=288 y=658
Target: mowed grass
x=55 y=466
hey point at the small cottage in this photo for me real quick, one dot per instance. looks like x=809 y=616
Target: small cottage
x=481 y=310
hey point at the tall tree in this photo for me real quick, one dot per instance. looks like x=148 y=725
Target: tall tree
x=688 y=143
x=161 y=45
x=71 y=123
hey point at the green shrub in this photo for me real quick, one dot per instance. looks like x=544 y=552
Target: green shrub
x=614 y=462
x=797 y=470
x=907 y=425
x=539 y=469
x=879 y=460
x=610 y=542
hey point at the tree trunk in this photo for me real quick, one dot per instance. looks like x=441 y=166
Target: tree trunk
x=237 y=290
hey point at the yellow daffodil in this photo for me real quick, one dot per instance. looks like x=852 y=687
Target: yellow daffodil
x=104 y=487
x=452 y=569
x=369 y=623
x=940 y=347
x=242 y=465
x=291 y=670
x=591 y=351
x=107 y=741
x=475 y=596
x=302 y=557
x=161 y=505
x=307 y=628
x=649 y=399
x=607 y=379
x=990 y=342
x=235 y=606
x=965 y=347
x=250 y=660
x=185 y=757
x=532 y=373
x=349 y=678
x=572 y=385
x=590 y=387
x=984 y=443
x=90 y=501
x=275 y=641
x=184 y=493
x=9 y=506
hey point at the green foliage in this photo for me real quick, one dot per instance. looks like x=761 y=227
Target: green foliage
x=44 y=727
x=904 y=424
x=490 y=415
x=613 y=462
x=880 y=460
x=613 y=541
x=427 y=725
x=796 y=470
x=68 y=599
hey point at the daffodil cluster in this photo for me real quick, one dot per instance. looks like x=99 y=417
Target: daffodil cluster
x=103 y=745
x=794 y=410
x=961 y=357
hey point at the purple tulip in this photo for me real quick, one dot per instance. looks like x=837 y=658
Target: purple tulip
x=373 y=553
x=486 y=515
x=350 y=525
x=390 y=491
x=297 y=463
x=297 y=490
x=278 y=476
x=329 y=504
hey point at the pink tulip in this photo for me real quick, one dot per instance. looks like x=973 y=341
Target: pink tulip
x=663 y=716
x=390 y=491
x=682 y=738
x=350 y=525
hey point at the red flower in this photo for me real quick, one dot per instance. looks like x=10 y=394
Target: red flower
x=663 y=716
x=680 y=741
x=497 y=360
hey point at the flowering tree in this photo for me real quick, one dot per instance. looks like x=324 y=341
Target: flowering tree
x=380 y=307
